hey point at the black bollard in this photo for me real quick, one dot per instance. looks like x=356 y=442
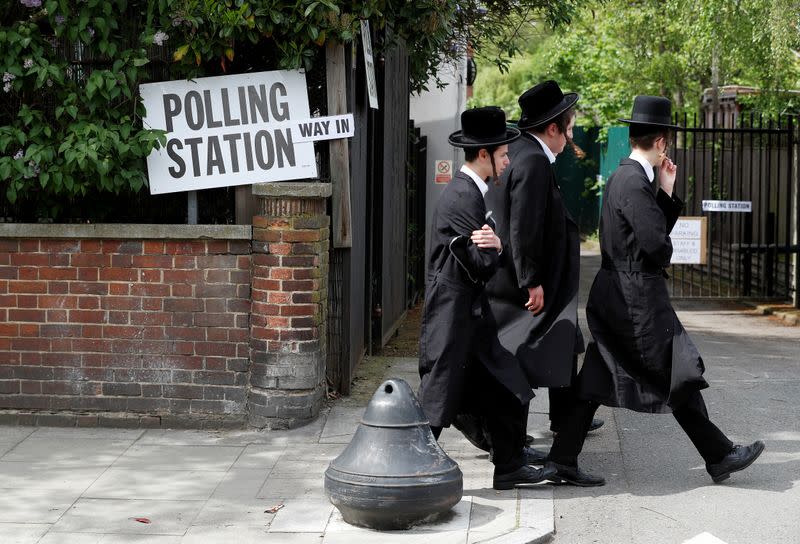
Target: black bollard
x=393 y=474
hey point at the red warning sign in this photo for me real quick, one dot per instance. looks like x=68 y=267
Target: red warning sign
x=443 y=171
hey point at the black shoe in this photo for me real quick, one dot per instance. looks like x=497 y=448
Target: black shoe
x=534 y=456
x=565 y=474
x=472 y=428
x=524 y=476
x=739 y=458
x=596 y=424
x=528 y=440
x=593 y=426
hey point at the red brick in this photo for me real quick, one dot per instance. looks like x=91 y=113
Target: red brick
x=151 y=275
x=9 y=245
x=242 y=321
x=185 y=262
x=237 y=305
x=266 y=285
x=216 y=363
x=280 y=273
x=29 y=259
x=29 y=246
x=59 y=246
x=299 y=310
x=266 y=235
x=91 y=359
x=91 y=246
x=152 y=304
x=303 y=322
x=121 y=261
x=7 y=301
x=217 y=290
x=88 y=316
x=36 y=316
x=94 y=345
x=9 y=272
x=295 y=334
x=222 y=349
x=30 y=388
x=310 y=235
x=238 y=335
x=92 y=331
x=88 y=288
x=57 y=316
x=305 y=261
x=278 y=322
x=88 y=303
x=61 y=359
x=151 y=261
x=150 y=318
x=95 y=260
x=280 y=249
x=185 y=248
x=9 y=329
x=119 y=274
x=183 y=276
x=119 y=289
x=30 y=344
x=278 y=297
x=58 y=301
x=28 y=329
x=216 y=305
x=61 y=331
x=59 y=259
x=61 y=345
x=150 y=290
x=300 y=285
x=244 y=263
x=152 y=247
x=58 y=274
x=185 y=333
x=206 y=319
x=121 y=303
x=183 y=305
x=182 y=290
x=27 y=301
x=266 y=260
x=88 y=274
x=217 y=276
x=265 y=334
x=18 y=286
x=217 y=334
x=58 y=287
x=122 y=331
x=28 y=273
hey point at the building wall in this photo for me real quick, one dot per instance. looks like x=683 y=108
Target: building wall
x=93 y=323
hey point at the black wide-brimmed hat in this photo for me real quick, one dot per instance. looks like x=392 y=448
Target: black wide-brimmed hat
x=483 y=127
x=542 y=103
x=655 y=111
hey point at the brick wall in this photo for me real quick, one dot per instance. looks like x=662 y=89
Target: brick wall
x=154 y=331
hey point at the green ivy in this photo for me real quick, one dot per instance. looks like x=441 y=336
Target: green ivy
x=70 y=112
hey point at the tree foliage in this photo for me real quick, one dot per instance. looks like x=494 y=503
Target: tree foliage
x=616 y=49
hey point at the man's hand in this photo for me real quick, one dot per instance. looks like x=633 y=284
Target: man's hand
x=666 y=175
x=486 y=238
x=535 y=302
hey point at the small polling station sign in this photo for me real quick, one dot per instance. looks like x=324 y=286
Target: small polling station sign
x=744 y=206
x=688 y=238
x=235 y=130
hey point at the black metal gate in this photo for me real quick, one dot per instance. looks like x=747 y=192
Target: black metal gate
x=735 y=157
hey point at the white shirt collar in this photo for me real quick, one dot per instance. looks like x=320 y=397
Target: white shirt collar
x=476 y=178
x=550 y=156
x=648 y=168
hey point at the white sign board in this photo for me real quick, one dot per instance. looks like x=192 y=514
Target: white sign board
x=442 y=171
x=688 y=238
x=727 y=206
x=369 y=63
x=232 y=130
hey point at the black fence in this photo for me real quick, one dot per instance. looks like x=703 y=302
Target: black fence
x=739 y=158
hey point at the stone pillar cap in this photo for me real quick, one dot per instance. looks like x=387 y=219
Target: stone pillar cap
x=293 y=189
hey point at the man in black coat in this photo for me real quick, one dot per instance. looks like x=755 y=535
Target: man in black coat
x=463 y=368
x=534 y=294
x=641 y=358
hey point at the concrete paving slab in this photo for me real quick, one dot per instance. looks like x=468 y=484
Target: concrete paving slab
x=232 y=533
x=235 y=513
x=155 y=484
x=302 y=515
x=22 y=533
x=259 y=456
x=80 y=433
x=117 y=517
x=295 y=538
x=311 y=487
x=181 y=437
x=341 y=424
x=240 y=484
x=169 y=457
x=22 y=476
x=310 y=462
x=26 y=505
x=385 y=537
x=10 y=434
x=66 y=452
x=494 y=513
x=90 y=538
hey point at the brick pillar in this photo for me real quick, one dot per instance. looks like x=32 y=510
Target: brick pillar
x=290 y=301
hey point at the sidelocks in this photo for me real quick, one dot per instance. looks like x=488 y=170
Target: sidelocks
x=393 y=474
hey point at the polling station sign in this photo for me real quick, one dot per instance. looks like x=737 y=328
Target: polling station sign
x=234 y=130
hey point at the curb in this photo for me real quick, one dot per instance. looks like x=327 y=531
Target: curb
x=790 y=316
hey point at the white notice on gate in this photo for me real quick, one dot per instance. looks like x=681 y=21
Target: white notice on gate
x=233 y=130
x=743 y=206
x=688 y=238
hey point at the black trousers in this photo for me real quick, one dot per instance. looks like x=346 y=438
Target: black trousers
x=503 y=417
x=561 y=399
x=710 y=442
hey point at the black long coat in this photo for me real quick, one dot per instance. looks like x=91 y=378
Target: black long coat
x=641 y=357
x=457 y=329
x=543 y=246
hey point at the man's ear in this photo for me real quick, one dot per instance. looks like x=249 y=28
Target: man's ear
x=552 y=130
x=483 y=154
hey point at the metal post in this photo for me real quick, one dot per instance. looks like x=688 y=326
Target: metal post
x=793 y=151
x=191 y=207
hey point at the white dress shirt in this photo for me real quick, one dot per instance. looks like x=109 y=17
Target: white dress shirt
x=550 y=156
x=648 y=168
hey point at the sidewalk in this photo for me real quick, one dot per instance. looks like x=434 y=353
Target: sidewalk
x=106 y=486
